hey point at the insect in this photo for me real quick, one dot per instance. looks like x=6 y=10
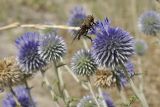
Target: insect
x=86 y=25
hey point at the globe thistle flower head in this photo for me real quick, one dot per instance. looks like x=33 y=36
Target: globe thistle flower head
x=149 y=23
x=77 y=15
x=82 y=63
x=140 y=47
x=28 y=56
x=10 y=73
x=112 y=46
x=104 y=78
x=52 y=47
x=22 y=95
x=100 y=26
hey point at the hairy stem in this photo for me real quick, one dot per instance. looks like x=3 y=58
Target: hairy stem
x=29 y=92
x=49 y=88
x=101 y=96
x=85 y=44
x=62 y=85
x=59 y=82
x=141 y=74
x=18 y=104
x=75 y=77
x=92 y=92
x=139 y=94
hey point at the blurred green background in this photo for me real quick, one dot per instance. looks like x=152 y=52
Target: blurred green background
x=122 y=13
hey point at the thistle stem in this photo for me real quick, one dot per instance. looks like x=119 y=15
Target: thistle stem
x=49 y=87
x=92 y=92
x=85 y=44
x=59 y=81
x=75 y=77
x=141 y=75
x=139 y=94
x=29 y=92
x=15 y=96
x=101 y=96
x=62 y=85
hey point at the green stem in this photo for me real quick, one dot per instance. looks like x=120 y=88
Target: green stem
x=15 y=97
x=139 y=94
x=58 y=83
x=49 y=88
x=29 y=92
x=62 y=85
x=75 y=77
x=101 y=96
x=85 y=44
x=92 y=92
x=141 y=75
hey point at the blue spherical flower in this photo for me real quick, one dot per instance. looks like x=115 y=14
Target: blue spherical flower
x=112 y=46
x=22 y=95
x=140 y=47
x=52 y=47
x=149 y=23
x=77 y=15
x=82 y=63
x=28 y=56
x=97 y=28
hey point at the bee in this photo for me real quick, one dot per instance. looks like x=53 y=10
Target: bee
x=86 y=25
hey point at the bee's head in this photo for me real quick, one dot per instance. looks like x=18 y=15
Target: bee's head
x=90 y=18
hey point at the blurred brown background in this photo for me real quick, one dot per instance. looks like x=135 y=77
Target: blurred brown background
x=122 y=13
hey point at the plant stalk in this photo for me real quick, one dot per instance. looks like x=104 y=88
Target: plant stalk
x=15 y=97
x=139 y=94
x=29 y=92
x=92 y=92
x=49 y=88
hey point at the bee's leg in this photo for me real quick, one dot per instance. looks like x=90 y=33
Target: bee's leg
x=79 y=35
x=76 y=34
x=88 y=36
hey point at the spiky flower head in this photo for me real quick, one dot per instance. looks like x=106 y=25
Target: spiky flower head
x=22 y=95
x=10 y=73
x=104 y=78
x=112 y=46
x=149 y=23
x=52 y=47
x=140 y=47
x=28 y=56
x=77 y=15
x=82 y=63
x=88 y=101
